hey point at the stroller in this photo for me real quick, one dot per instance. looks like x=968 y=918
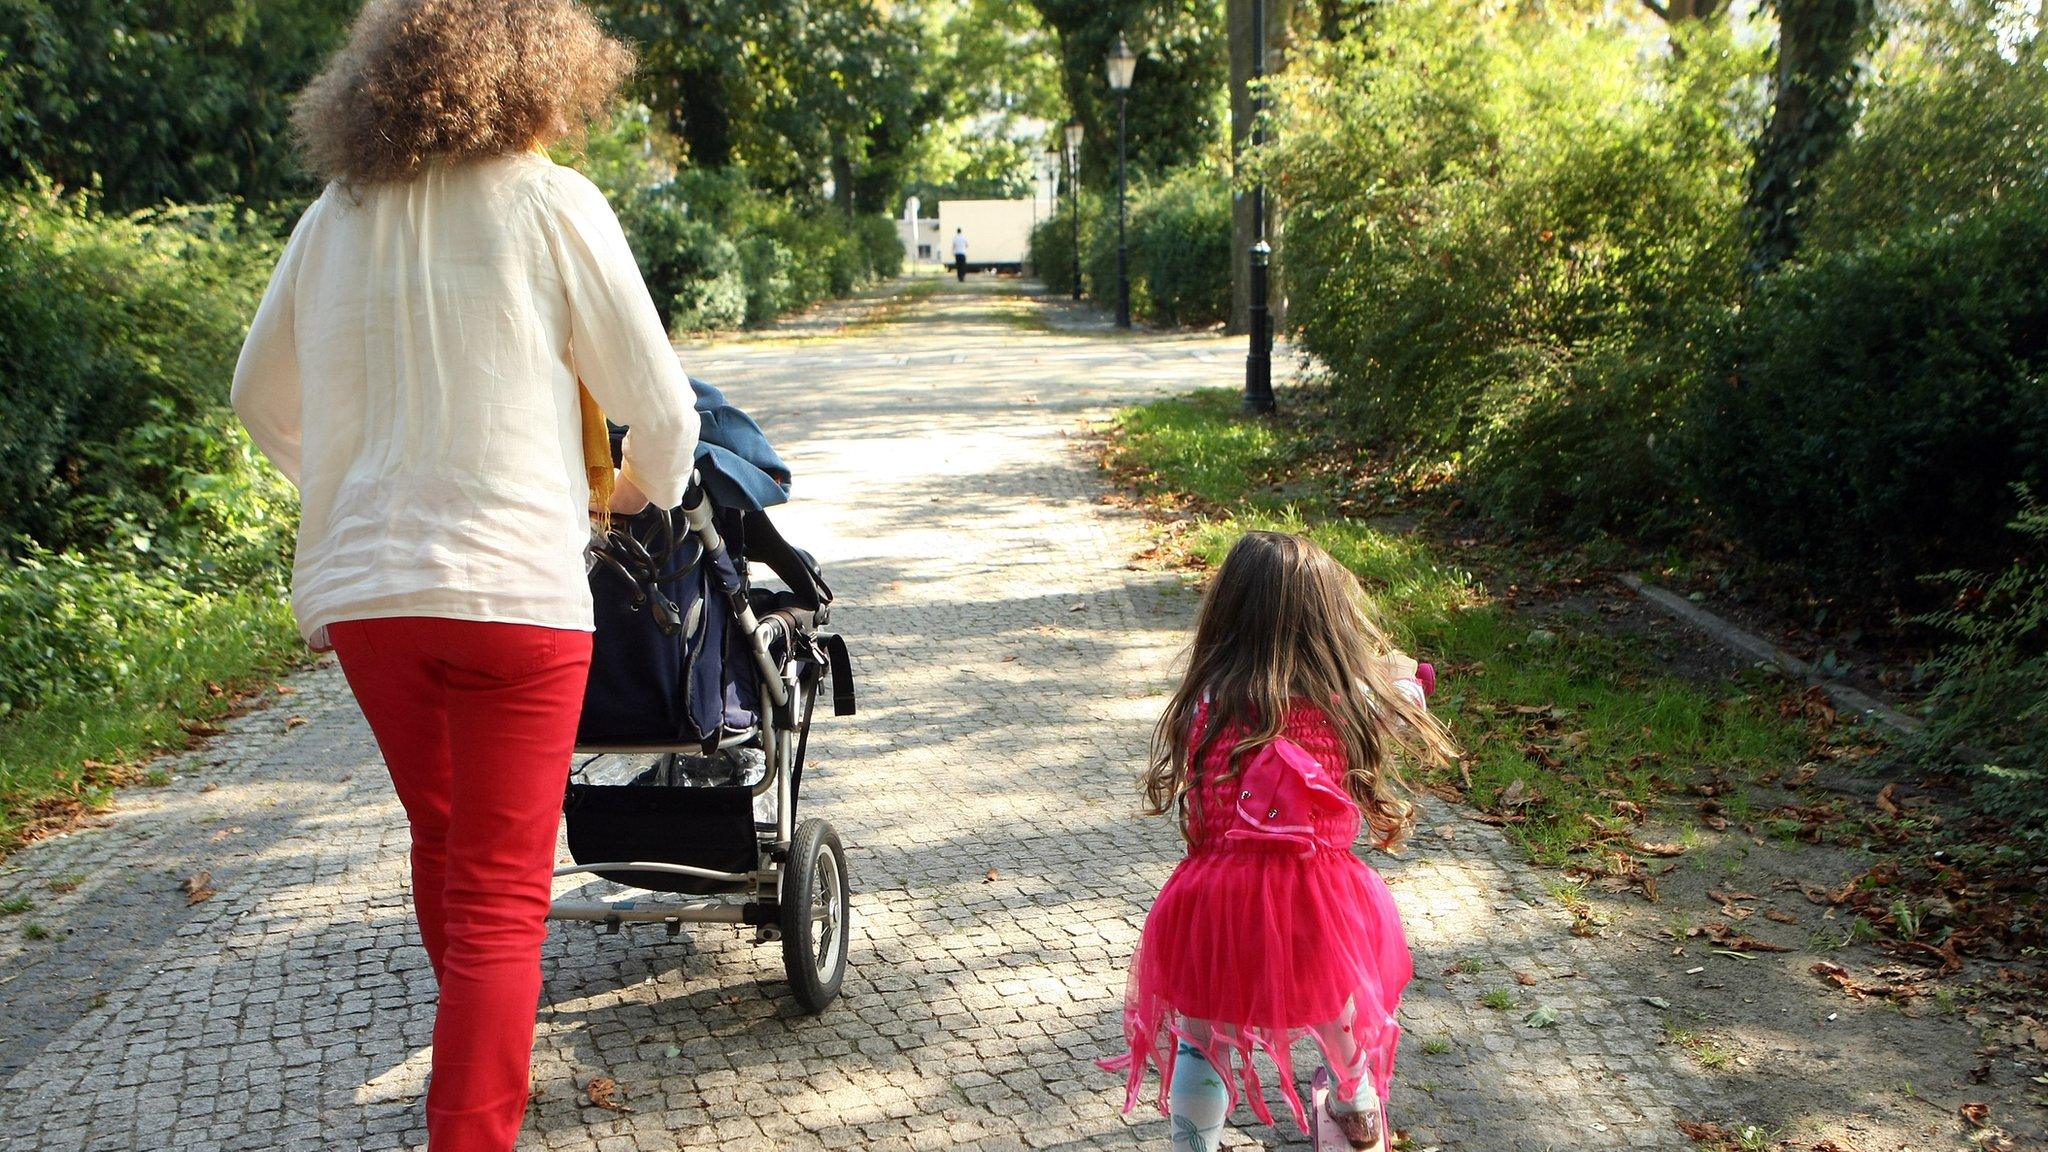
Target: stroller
x=697 y=715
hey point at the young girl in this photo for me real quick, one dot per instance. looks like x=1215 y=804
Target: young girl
x=1282 y=736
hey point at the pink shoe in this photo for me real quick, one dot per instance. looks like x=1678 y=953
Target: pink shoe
x=1331 y=1131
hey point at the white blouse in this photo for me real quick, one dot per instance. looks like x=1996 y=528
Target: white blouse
x=413 y=369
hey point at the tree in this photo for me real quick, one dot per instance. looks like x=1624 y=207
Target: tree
x=1679 y=11
x=1279 y=15
x=1813 y=105
x=791 y=90
x=1176 y=102
x=160 y=100
x=988 y=85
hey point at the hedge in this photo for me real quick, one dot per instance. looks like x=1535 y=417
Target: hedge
x=1177 y=235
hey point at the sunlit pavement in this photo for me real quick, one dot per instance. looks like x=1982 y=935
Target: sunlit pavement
x=1009 y=662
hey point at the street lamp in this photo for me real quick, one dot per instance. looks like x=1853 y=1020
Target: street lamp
x=1258 y=362
x=1122 y=62
x=1074 y=194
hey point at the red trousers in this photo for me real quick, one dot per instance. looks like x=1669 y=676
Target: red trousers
x=476 y=722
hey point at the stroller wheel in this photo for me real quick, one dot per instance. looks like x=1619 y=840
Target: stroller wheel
x=814 y=915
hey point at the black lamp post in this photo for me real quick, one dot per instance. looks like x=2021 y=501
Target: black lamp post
x=1122 y=62
x=1258 y=363
x=1074 y=194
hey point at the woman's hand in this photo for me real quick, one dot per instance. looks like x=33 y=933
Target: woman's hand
x=627 y=498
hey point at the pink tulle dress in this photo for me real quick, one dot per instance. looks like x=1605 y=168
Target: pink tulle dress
x=1270 y=929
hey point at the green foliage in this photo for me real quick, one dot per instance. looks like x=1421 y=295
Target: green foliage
x=987 y=83
x=1956 y=117
x=145 y=545
x=786 y=89
x=1503 y=237
x=693 y=272
x=81 y=627
x=125 y=653
x=156 y=100
x=1991 y=684
x=1052 y=243
x=1888 y=399
x=1177 y=106
x=716 y=251
x=1179 y=248
x=118 y=338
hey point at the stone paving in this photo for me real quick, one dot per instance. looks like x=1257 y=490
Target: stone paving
x=1009 y=661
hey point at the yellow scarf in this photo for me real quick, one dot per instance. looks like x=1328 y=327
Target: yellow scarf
x=597 y=454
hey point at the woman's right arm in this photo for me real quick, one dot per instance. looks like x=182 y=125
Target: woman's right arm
x=617 y=343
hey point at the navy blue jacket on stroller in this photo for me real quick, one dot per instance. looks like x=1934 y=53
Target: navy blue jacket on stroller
x=697 y=716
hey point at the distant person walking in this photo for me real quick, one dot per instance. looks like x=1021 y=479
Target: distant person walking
x=960 y=254
x=414 y=369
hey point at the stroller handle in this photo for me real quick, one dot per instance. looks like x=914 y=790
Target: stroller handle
x=697 y=512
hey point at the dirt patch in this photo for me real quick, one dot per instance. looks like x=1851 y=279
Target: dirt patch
x=1817 y=1033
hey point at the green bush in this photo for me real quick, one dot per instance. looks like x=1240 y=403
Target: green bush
x=145 y=544
x=1052 y=249
x=1991 y=684
x=1884 y=402
x=1180 y=247
x=770 y=275
x=882 y=245
x=118 y=339
x=1502 y=238
x=100 y=661
x=82 y=626
x=717 y=255
x=1177 y=241
x=1956 y=119
x=717 y=252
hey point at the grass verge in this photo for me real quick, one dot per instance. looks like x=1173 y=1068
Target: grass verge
x=186 y=667
x=1571 y=734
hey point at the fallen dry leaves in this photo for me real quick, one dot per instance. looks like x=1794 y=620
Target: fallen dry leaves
x=1725 y=936
x=1727 y=901
x=197 y=887
x=1891 y=981
x=604 y=1092
x=1710 y=1137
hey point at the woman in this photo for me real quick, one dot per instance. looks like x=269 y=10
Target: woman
x=414 y=368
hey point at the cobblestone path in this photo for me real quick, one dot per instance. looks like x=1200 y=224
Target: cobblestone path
x=1009 y=664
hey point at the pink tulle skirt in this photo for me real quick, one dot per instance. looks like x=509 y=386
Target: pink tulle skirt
x=1252 y=948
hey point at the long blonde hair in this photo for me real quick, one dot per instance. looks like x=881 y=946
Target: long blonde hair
x=1283 y=621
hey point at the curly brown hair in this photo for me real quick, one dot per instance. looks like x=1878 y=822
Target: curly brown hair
x=427 y=80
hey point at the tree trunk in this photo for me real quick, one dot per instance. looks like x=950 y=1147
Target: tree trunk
x=702 y=116
x=1679 y=11
x=1812 y=107
x=843 y=191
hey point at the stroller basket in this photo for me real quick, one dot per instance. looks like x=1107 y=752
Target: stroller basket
x=705 y=827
